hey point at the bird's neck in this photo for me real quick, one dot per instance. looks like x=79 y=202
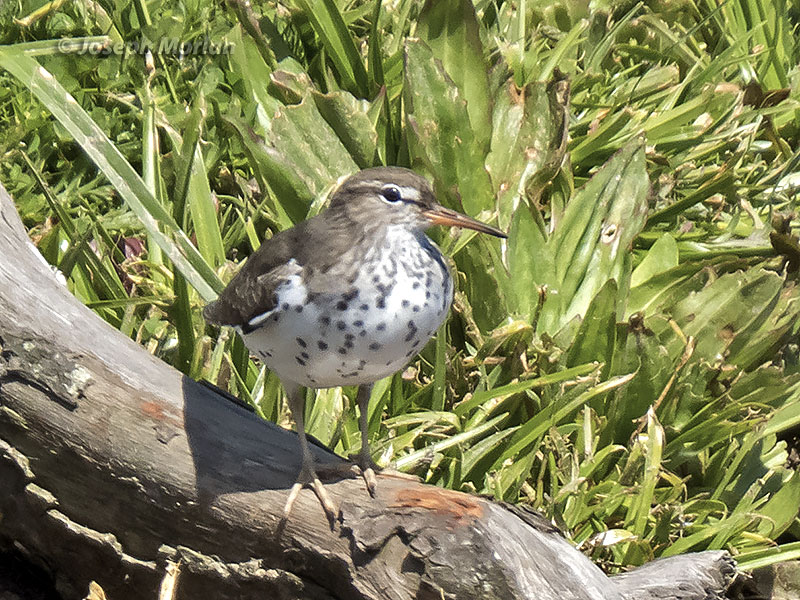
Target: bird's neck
x=406 y=241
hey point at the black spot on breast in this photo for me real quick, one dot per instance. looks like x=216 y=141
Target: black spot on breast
x=298 y=308
x=410 y=353
x=285 y=306
x=415 y=285
x=325 y=320
x=374 y=346
x=322 y=345
x=349 y=336
x=348 y=344
x=341 y=305
x=405 y=303
x=342 y=350
x=363 y=333
x=304 y=355
x=341 y=325
x=390 y=268
x=416 y=308
x=381 y=302
x=364 y=307
x=300 y=360
x=301 y=342
x=358 y=323
x=351 y=295
x=412 y=331
x=381 y=326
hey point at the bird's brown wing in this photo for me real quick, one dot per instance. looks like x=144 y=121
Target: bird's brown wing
x=313 y=246
x=249 y=297
x=252 y=291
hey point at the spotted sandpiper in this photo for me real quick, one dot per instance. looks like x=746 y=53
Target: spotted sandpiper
x=346 y=297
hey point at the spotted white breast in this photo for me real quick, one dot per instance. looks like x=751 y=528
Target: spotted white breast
x=370 y=330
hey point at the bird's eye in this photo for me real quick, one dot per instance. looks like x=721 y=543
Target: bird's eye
x=391 y=193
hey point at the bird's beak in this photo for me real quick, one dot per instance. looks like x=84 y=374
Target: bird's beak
x=440 y=215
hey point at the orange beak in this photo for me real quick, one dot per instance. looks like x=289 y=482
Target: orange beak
x=444 y=216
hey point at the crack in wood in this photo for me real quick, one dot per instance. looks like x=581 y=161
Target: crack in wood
x=24 y=361
x=16 y=459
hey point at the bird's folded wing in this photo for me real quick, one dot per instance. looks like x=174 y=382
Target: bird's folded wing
x=250 y=297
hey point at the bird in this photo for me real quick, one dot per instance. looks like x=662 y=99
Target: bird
x=345 y=298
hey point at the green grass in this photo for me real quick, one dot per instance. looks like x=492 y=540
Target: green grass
x=626 y=362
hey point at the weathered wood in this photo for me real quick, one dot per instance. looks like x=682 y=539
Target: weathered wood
x=112 y=463
x=701 y=575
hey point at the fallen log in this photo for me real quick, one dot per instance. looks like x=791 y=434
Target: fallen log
x=115 y=468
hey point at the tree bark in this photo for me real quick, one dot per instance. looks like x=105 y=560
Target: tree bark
x=113 y=465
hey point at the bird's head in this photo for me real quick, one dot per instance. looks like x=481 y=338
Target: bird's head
x=394 y=195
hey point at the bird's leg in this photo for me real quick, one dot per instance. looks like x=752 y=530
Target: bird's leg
x=364 y=459
x=308 y=475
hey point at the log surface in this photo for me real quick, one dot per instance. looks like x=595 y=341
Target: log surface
x=113 y=464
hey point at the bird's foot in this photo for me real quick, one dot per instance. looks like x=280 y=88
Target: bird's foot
x=360 y=466
x=308 y=477
x=364 y=463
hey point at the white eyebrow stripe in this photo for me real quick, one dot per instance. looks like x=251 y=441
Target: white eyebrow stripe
x=409 y=193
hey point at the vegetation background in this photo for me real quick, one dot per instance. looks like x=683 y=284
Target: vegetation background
x=627 y=362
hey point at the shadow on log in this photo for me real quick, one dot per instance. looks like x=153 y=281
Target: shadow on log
x=113 y=465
